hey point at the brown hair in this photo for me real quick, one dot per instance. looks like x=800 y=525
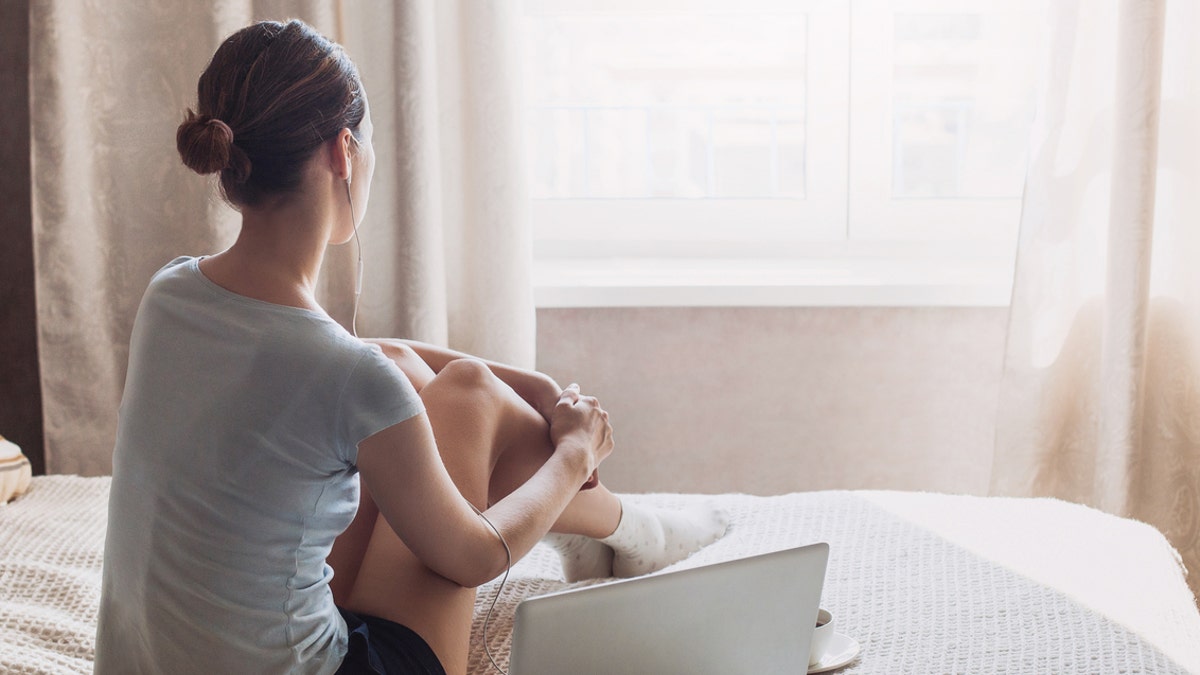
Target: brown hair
x=272 y=94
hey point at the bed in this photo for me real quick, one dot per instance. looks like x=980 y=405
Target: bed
x=926 y=583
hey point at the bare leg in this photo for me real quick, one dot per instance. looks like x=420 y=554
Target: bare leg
x=593 y=512
x=349 y=548
x=491 y=441
x=482 y=429
x=525 y=436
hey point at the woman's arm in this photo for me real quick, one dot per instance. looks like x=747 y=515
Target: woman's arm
x=537 y=389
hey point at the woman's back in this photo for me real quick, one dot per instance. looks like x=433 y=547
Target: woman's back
x=233 y=473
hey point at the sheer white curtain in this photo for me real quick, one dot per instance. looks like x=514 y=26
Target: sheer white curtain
x=447 y=243
x=445 y=239
x=1100 y=401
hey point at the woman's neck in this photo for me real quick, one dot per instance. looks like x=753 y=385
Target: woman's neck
x=277 y=255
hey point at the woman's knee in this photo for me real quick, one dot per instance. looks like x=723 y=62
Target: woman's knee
x=469 y=384
x=467 y=373
x=462 y=378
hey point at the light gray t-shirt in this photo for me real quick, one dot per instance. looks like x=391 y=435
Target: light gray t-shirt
x=233 y=472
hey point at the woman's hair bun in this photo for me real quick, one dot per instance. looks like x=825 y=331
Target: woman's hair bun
x=206 y=146
x=272 y=94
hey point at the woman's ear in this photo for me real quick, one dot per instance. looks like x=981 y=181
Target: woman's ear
x=341 y=152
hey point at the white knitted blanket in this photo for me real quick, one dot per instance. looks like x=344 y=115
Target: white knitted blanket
x=900 y=581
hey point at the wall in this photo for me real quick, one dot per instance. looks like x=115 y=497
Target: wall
x=20 y=387
x=772 y=400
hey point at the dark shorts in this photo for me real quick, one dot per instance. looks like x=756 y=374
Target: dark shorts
x=383 y=647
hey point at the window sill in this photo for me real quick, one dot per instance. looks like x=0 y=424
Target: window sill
x=793 y=282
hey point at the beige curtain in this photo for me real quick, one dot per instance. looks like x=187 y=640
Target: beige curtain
x=1100 y=400
x=446 y=242
x=445 y=239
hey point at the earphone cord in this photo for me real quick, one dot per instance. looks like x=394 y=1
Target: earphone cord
x=507 y=567
x=359 y=278
x=507 y=551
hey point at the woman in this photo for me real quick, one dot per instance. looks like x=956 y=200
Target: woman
x=289 y=498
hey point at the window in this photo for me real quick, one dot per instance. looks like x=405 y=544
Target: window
x=779 y=147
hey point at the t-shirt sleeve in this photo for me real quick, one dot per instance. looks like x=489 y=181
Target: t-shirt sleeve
x=378 y=394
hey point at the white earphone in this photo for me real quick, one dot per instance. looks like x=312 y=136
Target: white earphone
x=358 y=245
x=507 y=552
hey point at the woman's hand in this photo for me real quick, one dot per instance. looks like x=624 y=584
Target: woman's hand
x=579 y=424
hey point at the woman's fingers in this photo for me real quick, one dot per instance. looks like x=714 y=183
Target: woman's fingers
x=570 y=394
x=576 y=413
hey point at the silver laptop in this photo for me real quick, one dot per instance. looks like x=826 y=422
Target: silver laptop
x=752 y=615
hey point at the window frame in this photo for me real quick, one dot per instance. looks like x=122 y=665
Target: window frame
x=857 y=246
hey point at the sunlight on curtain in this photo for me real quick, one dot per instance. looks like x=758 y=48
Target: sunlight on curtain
x=1100 y=401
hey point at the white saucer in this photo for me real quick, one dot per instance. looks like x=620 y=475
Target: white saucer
x=842 y=650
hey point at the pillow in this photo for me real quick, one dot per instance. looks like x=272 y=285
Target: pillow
x=15 y=471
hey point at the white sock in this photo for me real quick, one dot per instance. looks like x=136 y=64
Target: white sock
x=648 y=539
x=582 y=557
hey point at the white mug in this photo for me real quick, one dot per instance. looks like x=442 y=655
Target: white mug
x=821 y=636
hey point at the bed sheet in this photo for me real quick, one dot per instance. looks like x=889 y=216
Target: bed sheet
x=925 y=583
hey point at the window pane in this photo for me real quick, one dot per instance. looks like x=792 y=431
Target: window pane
x=741 y=154
x=617 y=163
x=792 y=160
x=927 y=140
x=557 y=152
x=961 y=105
x=678 y=152
x=674 y=104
